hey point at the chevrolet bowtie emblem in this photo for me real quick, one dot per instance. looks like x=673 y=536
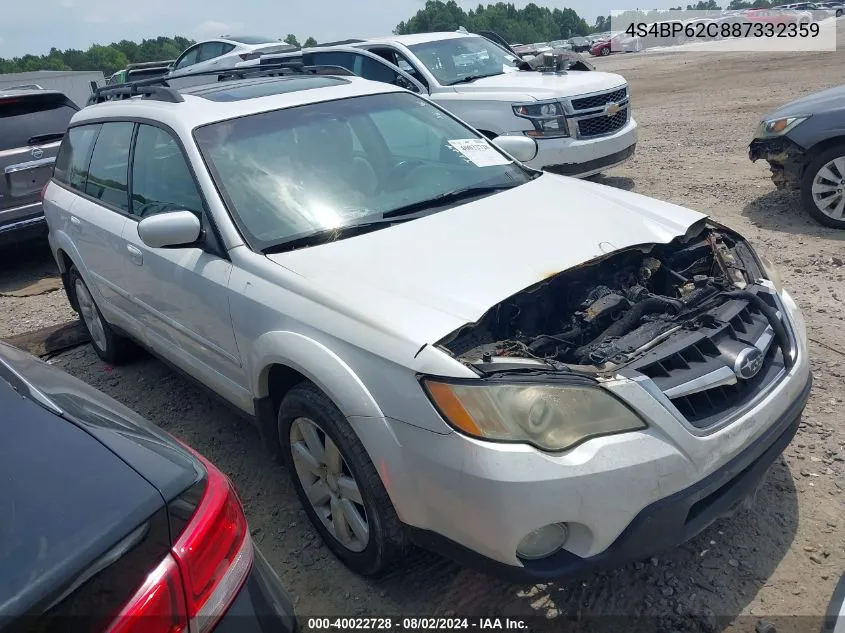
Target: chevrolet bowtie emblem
x=611 y=108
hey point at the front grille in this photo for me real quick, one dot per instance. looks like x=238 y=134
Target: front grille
x=602 y=124
x=599 y=101
x=698 y=377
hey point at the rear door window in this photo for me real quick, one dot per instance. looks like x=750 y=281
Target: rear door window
x=74 y=155
x=108 y=173
x=210 y=50
x=33 y=120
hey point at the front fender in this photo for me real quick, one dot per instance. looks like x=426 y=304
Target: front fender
x=318 y=364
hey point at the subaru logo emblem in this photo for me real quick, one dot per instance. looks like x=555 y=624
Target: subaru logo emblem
x=748 y=363
x=37 y=153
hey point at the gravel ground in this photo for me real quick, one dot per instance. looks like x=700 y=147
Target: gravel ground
x=781 y=556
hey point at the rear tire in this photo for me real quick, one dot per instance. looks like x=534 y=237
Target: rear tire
x=823 y=188
x=109 y=346
x=346 y=499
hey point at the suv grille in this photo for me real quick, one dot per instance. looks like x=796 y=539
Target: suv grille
x=599 y=101
x=697 y=372
x=602 y=124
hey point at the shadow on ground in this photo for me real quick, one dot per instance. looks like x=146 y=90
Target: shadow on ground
x=620 y=182
x=782 y=211
x=27 y=269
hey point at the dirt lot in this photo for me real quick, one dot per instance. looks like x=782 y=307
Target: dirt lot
x=781 y=557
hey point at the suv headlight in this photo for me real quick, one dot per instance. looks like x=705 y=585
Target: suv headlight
x=549 y=417
x=547 y=117
x=773 y=128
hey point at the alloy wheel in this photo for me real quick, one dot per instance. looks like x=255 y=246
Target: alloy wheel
x=90 y=315
x=829 y=189
x=329 y=484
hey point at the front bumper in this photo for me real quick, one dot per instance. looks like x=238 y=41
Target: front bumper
x=786 y=159
x=476 y=500
x=585 y=157
x=661 y=526
x=262 y=605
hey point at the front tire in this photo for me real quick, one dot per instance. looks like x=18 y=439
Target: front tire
x=337 y=484
x=823 y=188
x=109 y=346
x=605 y=51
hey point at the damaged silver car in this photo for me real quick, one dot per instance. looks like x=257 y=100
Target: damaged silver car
x=804 y=144
x=533 y=374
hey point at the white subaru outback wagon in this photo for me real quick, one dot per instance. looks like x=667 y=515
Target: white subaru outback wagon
x=532 y=374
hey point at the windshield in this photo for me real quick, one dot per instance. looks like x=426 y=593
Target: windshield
x=290 y=173
x=460 y=59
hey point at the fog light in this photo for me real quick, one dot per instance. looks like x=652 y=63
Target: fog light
x=542 y=542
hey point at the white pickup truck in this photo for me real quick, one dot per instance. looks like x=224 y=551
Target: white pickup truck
x=581 y=119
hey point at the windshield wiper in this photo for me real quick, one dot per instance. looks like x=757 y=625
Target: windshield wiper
x=448 y=198
x=471 y=78
x=324 y=236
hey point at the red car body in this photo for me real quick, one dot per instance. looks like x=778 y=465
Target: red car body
x=771 y=16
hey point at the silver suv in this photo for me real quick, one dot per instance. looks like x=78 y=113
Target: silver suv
x=533 y=374
x=32 y=124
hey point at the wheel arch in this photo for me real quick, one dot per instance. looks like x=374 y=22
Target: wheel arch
x=286 y=359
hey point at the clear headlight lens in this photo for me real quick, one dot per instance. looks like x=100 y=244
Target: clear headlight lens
x=778 y=127
x=771 y=272
x=547 y=117
x=549 y=417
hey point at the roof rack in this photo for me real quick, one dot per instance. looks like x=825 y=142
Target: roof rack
x=159 y=89
x=340 y=43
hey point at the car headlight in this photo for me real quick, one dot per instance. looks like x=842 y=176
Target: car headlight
x=773 y=128
x=547 y=117
x=771 y=272
x=549 y=417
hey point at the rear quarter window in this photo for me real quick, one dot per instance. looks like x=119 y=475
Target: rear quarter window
x=74 y=155
x=22 y=119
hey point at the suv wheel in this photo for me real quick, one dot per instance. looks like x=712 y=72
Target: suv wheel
x=108 y=345
x=337 y=483
x=823 y=188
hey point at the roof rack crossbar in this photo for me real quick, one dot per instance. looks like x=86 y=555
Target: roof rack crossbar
x=282 y=69
x=158 y=87
x=136 y=89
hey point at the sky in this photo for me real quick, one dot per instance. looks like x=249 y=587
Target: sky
x=34 y=26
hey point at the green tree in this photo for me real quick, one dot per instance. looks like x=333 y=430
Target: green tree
x=309 y=42
x=106 y=58
x=290 y=38
x=527 y=25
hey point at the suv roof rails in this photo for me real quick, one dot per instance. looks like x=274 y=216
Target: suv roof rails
x=340 y=43
x=163 y=62
x=159 y=89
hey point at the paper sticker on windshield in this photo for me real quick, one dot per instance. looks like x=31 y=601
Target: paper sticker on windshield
x=479 y=152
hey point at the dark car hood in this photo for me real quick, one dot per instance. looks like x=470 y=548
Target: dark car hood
x=824 y=101
x=65 y=500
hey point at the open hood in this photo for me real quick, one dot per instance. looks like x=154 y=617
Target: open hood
x=430 y=276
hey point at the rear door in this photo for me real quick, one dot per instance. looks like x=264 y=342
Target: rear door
x=98 y=217
x=31 y=128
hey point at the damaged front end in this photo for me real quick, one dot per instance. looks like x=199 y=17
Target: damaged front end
x=700 y=293
x=786 y=160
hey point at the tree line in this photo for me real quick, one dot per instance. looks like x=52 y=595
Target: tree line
x=111 y=57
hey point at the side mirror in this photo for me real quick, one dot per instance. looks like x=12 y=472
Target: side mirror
x=522 y=148
x=174 y=228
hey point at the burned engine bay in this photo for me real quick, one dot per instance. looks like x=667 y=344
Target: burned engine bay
x=605 y=313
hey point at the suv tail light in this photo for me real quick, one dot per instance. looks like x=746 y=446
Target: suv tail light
x=44 y=190
x=203 y=572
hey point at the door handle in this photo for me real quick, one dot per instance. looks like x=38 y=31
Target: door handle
x=75 y=223
x=135 y=254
